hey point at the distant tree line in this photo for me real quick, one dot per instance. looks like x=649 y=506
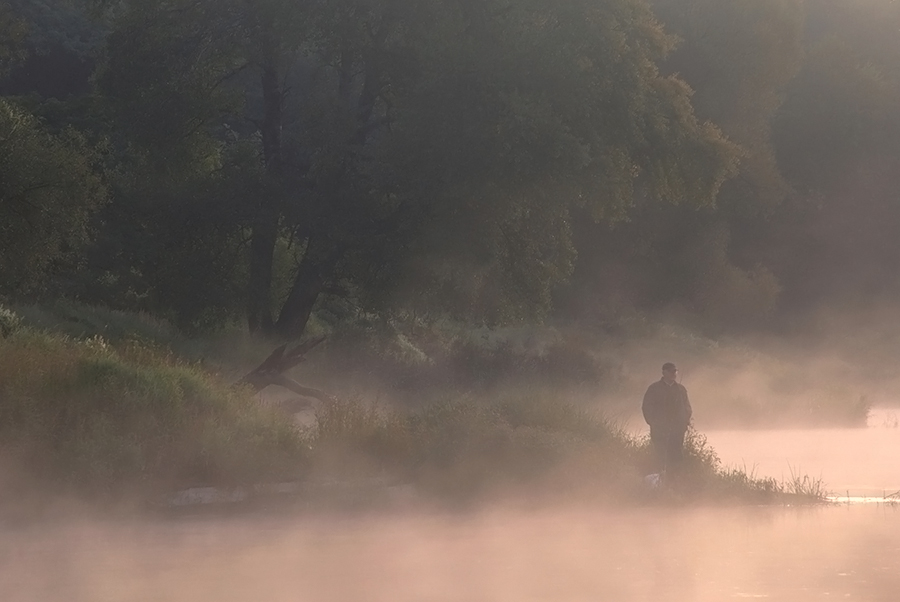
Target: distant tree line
x=489 y=160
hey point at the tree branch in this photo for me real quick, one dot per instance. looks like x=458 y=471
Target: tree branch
x=271 y=371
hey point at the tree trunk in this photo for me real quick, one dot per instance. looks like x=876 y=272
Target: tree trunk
x=271 y=371
x=259 y=284
x=265 y=227
x=273 y=107
x=315 y=269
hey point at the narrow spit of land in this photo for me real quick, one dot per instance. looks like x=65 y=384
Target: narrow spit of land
x=127 y=417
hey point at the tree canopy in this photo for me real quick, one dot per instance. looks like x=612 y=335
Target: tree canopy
x=409 y=146
x=496 y=161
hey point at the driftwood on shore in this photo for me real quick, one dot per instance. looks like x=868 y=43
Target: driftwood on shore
x=271 y=371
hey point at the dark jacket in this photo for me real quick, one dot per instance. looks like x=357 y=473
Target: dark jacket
x=666 y=407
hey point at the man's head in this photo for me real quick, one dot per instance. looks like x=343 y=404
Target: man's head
x=670 y=372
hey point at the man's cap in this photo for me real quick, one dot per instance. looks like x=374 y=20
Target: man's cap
x=669 y=367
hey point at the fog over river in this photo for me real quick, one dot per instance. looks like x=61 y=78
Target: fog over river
x=861 y=463
x=568 y=552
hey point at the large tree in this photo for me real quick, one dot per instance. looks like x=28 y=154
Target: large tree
x=838 y=140
x=12 y=35
x=709 y=263
x=50 y=185
x=432 y=149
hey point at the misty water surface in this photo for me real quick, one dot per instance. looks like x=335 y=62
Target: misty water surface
x=858 y=462
x=504 y=554
x=700 y=554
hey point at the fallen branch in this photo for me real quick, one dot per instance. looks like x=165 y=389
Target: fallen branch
x=271 y=371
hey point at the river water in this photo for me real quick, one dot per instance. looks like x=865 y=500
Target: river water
x=848 y=551
x=862 y=463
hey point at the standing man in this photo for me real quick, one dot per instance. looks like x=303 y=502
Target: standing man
x=668 y=412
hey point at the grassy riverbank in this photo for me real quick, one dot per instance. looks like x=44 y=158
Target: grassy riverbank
x=126 y=414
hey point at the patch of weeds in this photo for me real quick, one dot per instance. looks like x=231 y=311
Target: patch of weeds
x=741 y=482
x=804 y=486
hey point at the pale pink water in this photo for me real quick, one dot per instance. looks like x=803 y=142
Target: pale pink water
x=861 y=462
x=503 y=555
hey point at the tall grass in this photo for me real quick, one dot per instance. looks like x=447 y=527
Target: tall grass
x=86 y=414
x=457 y=447
x=804 y=486
x=527 y=445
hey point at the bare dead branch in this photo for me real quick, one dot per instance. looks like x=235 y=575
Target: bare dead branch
x=271 y=371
